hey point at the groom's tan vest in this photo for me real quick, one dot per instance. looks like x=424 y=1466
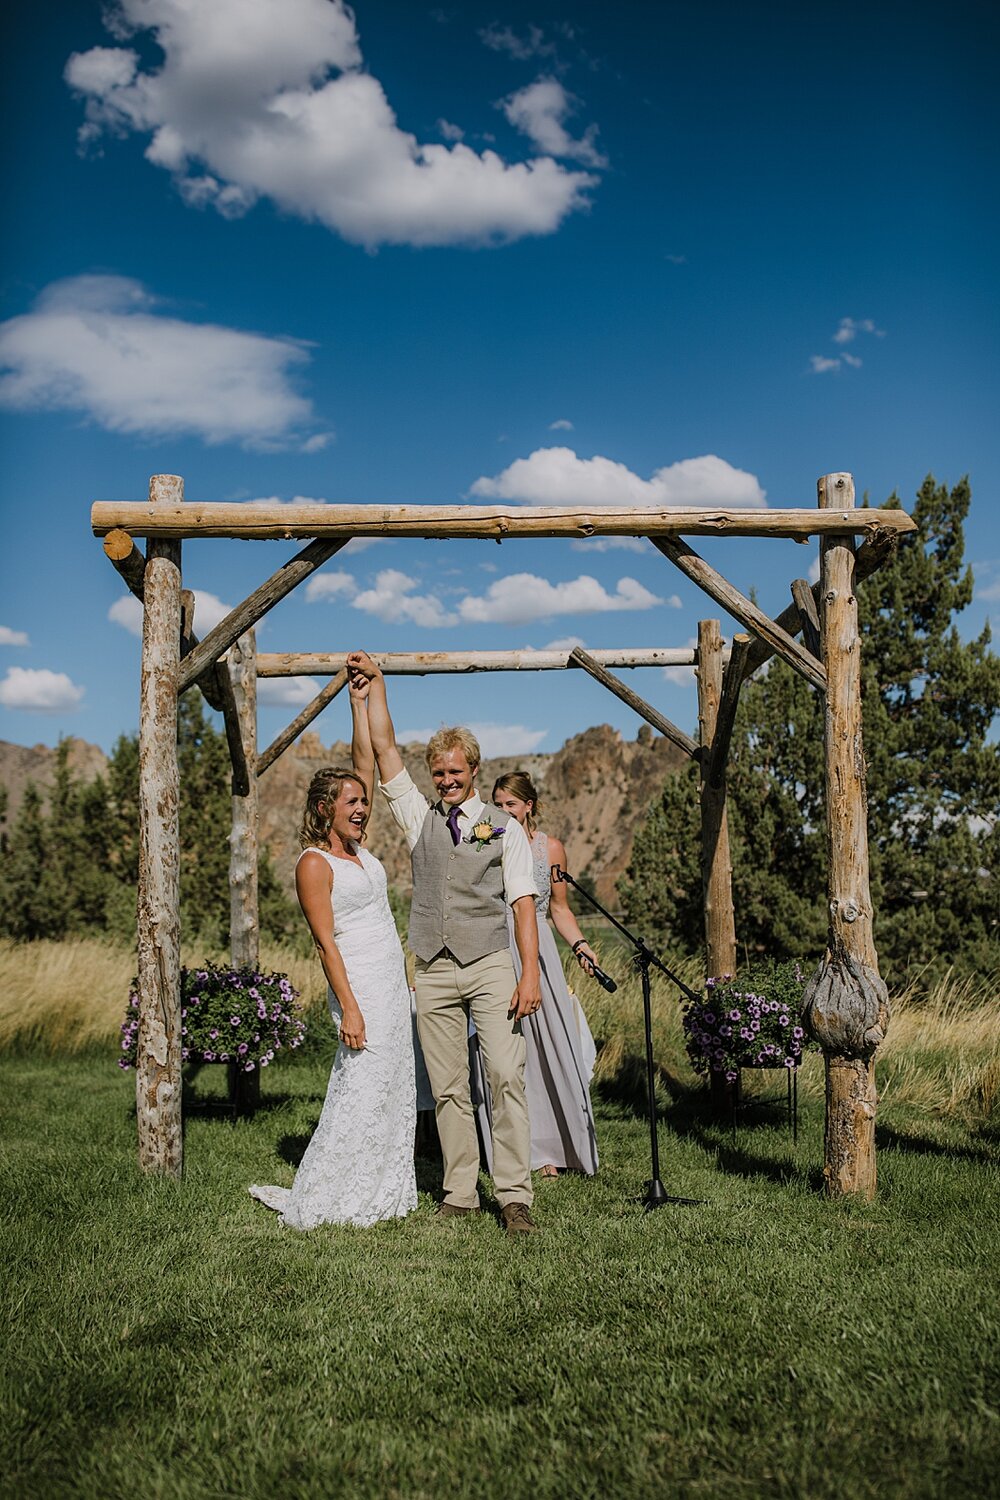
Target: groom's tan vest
x=458 y=898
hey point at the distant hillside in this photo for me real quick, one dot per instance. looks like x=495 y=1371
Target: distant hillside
x=594 y=792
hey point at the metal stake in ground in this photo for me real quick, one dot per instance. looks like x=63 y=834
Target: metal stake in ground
x=656 y=1195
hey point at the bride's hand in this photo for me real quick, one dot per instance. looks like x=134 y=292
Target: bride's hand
x=352 y=1029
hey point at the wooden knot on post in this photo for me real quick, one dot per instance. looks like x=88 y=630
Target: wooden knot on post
x=845 y=1007
x=503 y=526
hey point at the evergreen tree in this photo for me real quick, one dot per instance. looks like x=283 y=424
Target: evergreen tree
x=929 y=700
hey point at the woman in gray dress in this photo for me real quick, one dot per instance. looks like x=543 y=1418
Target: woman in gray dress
x=560 y=1048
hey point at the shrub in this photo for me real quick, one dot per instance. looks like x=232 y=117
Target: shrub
x=747 y=1021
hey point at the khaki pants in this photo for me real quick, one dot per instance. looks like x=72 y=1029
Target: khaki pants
x=447 y=994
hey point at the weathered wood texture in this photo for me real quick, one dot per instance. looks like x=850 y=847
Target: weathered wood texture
x=158 y=1062
x=490 y=521
x=245 y=616
x=131 y=566
x=302 y=721
x=749 y=615
x=581 y=658
x=846 y=1003
x=716 y=860
x=805 y=603
x=722 y=738
x=427 y=663
x=875 y=550
x=244 y=916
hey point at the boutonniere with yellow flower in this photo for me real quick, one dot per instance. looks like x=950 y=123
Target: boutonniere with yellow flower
x=484 y=833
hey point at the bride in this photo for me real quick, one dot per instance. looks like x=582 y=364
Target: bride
x=358 y=1167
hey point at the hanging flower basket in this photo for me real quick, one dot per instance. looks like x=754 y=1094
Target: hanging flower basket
x=237 y=1016
x=749 y=1020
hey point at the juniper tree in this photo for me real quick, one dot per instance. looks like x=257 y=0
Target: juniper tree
x=929 y=699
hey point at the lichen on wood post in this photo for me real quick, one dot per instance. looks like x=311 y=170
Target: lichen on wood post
x=244 y=916
x=846 y=1006
x=716 y=861
x=158 y=1060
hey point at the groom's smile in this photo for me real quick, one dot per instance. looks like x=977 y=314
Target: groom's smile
x=453 y=777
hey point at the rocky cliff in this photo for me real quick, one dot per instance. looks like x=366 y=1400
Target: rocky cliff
x=594 y=794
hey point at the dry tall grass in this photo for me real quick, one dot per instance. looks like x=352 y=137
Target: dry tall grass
x=942 y=1054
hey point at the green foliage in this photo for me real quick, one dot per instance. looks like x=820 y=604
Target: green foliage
x=929 y=700
x=75 y=869
x=242 y=1016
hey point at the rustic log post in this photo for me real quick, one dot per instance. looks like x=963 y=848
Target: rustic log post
x=725 y=722
x=158 y=1060
x=846 y=1007
x=716 y=863
x=244 y=917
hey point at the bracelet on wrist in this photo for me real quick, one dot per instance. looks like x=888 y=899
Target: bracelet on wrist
x=578 y=945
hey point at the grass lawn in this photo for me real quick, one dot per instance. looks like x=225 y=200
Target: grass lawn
x=175 y=1341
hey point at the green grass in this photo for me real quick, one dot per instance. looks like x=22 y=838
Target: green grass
x=174 y=1341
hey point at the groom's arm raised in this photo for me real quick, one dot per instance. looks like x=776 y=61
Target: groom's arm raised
x=383 y=735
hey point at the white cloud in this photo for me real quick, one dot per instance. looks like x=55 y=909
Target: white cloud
x=127 y=612
x=813 y=574
x=504 y=39
x=10 y=637
x=849 y=329
x=562 y=424
x=555 y=476
x=539 y=110
x=209 y=611
x=291 y=692
x=260 y=99
x=522 y=597
x=330 y=586
x=564 y=643
x=611 y=544
x=494 y=739
x=819 y=364
x=93 y=344
x=393 y=601
x=450 y=132
x=39 y=690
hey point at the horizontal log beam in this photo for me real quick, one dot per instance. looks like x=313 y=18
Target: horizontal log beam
x=291 y=732
x=429 y=663
x=581 y=658
x=874 y=551
x=245 y=616
x=741 y=608
x=251 y=522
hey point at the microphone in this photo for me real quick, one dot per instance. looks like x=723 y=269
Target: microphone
x=558 y=877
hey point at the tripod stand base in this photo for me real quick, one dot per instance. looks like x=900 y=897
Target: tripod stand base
x=656 y=1196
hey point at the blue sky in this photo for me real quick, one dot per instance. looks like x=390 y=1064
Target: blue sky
x=644 y=254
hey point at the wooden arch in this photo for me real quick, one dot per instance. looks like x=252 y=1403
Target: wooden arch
x=846 y=1002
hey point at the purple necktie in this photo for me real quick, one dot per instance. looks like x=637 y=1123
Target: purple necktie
x=452 y=821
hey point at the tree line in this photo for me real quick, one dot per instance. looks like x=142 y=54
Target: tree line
x=930 y=702
x=71 y=867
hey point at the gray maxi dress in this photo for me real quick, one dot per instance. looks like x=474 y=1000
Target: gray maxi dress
x=560 y=1054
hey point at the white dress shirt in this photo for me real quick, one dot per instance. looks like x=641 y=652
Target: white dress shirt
x=409 y=806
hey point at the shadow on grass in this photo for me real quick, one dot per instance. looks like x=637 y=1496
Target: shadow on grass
x=687 y=1112
x=919 y=1145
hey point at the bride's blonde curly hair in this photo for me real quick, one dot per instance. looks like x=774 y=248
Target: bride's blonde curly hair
x=324 y=788
x=519 y=784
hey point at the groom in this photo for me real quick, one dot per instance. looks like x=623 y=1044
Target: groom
x=469 y=863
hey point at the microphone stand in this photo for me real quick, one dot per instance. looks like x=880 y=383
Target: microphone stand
x=643 y=959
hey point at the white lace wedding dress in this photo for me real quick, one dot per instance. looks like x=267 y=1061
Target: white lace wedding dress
x=358 y=1167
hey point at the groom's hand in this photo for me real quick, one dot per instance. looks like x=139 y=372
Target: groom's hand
x=360 y=664
x=527 y=996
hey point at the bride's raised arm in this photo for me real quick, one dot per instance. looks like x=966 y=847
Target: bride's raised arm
x=362 y=754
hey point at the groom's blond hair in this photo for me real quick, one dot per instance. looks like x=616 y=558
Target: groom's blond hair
x=455 y=738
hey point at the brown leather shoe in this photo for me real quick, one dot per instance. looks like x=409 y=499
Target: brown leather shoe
x=517 y=1220
x=453 y=1211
